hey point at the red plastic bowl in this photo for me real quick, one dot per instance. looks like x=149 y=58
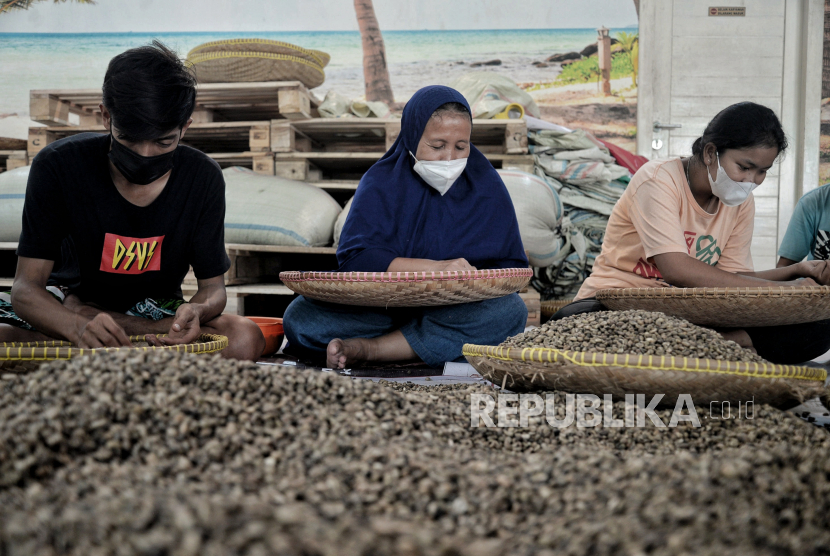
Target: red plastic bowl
x=272 y=330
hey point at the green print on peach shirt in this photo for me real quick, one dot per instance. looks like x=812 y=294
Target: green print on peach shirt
x=707 y=251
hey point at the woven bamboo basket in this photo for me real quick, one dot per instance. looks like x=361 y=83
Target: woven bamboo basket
x=26 y=356
x=705 y=380
x=727 y=307
x=262 y=45
x=239 y=66
x=324 y=57
x=550 y=308
x=407 y=289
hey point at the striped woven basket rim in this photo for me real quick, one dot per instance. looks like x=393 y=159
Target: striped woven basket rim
x=647 y=362
x=714 y=293
x=324 y=57
x=207 y=56
x=321 y=57
x=46 y=351
x=551 y=306
x=295 y=276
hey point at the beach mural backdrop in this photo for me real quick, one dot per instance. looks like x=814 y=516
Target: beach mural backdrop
x=540 y=44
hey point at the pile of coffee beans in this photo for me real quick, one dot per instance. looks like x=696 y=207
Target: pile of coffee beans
x=160 y=453
x=635 y=332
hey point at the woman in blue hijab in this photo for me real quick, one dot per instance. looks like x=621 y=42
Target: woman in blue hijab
x=432 y=203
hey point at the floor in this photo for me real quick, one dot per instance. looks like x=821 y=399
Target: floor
x=463 y=373
x=418 y=373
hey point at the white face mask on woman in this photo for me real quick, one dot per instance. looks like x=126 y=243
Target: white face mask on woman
x=439 y=174
x=730 y=192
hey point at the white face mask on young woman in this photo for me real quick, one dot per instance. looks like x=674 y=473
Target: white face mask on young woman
x=730 y=192
x=439 y=174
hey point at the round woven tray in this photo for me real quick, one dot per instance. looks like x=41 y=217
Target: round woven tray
x=550 y=308
x=705 y=380
x=262 y=45
x=727 y=307
x=25 y=356
x=407 y=289
x=235 y=67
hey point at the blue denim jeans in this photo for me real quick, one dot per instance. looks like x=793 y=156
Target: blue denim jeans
x=436 y=334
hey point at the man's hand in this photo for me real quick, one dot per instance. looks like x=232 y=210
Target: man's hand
x=185 y=329
x=453 y=264
x=102 y=331
x=819 y=271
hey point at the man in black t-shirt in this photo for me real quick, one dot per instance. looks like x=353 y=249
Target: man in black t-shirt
x=129 y=213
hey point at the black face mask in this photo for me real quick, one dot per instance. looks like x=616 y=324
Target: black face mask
x=138 y=169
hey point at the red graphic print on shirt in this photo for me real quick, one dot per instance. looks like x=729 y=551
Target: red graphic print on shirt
x=690 y=240
x=647 y=270
x=131 y=255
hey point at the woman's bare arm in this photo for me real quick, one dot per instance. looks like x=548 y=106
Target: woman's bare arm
x=681 y=270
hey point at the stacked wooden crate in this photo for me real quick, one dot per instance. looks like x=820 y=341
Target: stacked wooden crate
x=335 y=153
x=231 y=123
x=11 y=159
x=8 y=263
x=12 y=154
x=533 y=301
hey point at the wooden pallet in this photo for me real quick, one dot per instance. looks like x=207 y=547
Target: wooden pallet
x=207 y=137
x=533 y=301
x=348 y=167
x=236 y=295
x=374 y=135
x=263 y=263
x=9 y=160
x=215 y=102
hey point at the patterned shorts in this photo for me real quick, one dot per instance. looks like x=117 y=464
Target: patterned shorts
x=147 y=309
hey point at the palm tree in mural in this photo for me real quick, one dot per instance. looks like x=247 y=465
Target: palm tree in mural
x=9 y=5
x=630 y=45
x=375 y=71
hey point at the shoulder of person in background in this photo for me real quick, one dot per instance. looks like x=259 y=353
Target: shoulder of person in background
x=808 y=232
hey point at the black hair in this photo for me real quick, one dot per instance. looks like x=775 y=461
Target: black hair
x=451 y=108
x=149 y=91
x=742 y=126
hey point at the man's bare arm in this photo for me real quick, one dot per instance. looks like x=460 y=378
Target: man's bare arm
x=39 y=308
x=207 y=304
x=134 y=326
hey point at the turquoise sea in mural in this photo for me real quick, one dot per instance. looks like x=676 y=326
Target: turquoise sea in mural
x=416 y=58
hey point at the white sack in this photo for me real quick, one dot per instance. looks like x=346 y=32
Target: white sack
x=338 y=224
x=489 y=94
x=267 y=210
x=539 y=212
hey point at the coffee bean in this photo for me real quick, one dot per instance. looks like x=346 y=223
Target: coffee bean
x=633 y=332
x=159 y=453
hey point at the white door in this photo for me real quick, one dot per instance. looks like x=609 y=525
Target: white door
x=693 y=64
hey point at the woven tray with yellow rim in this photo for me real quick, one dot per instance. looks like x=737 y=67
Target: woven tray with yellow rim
x=705 y=380
x=407 y=289
x=26 y=356
x=727 y=307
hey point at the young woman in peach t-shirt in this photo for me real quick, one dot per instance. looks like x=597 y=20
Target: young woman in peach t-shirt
x=688 y=222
